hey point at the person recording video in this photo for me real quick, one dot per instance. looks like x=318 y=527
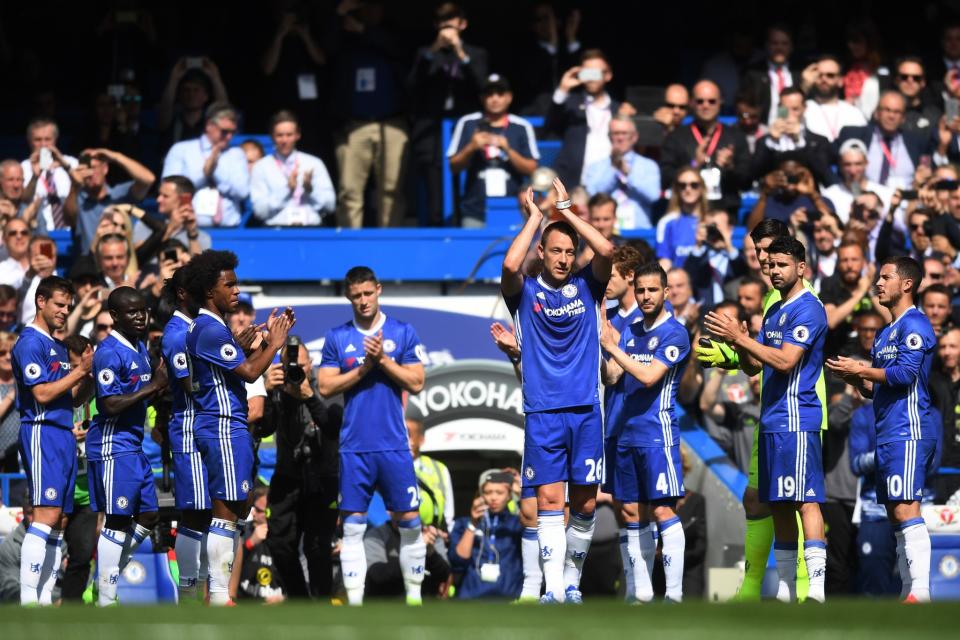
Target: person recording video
x=303 y=492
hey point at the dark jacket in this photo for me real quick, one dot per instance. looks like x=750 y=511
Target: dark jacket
x=916 y=145
x=701 y=275
x=569 y=122
x=504 y=531
x=679 y=150
x=439 y=76
x=757 y=81
x=816 y=154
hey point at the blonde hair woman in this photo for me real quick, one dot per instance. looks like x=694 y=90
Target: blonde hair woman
x=677 y=229
x=116 y=221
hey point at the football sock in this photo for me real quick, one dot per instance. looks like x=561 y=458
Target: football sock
x=32 y=554
x=136 y=534
x=756 y=548
x=413 y=555
x=353 y=559
x=803 y=579
x=674 y=541
x=109 y=550
x=902 y=565
x=649 y=538
x=815 y=555
x=220 y=554
x=629 y=584
x=53 y=555
x=785 y=554
x=644 y=549
x=916 y=544
x=579 y=535
x=187 y=549
x=553 y=550
x=532 y=575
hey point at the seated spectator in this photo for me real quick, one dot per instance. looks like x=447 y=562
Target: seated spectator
x=892 y=152
x=254 y=575
x=218 y=172
x=787 y=191
x=922 y=115
x=720 y=153
x=826 y=114
x=16 y=238
x=253 y=151
x=90 y=194
x=686 y=309
x=496 y=150
x=854 y=181
x=47 y=178
x=290 y=188
x=714 y=260
x=194 y=84
x=9 y=318
x=632 y=180
x=751 y=291
x=847 y=291
x=787 y=134
x=748 y=119
x=43 y=263
x=175 y=202
x=485 y=546
x=13 y=201
x=677 y=229
x=935 y=303
x=9 y=416
x=382 y=548
x=676 y=103
x=113 y=254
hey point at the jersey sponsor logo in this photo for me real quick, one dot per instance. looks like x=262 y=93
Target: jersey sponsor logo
x=652 y=343
x=50 y=493
x=350 y=349
x=389 y=346
x=889 y=352
x=32 y=371
x=914 y=341
x=144 y=377
x=228 y=352
x=672 y=352
x=574 y=308
x=122 y=502
x=569 y=290
x=106 y=377
x=642 y=358
x=783 y=319
x=180 y=361
x=775 y=336
x=801 y=333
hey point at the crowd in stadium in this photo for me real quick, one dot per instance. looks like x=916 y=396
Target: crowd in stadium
x=856 y=155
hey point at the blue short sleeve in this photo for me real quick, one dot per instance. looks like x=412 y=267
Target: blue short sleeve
x=34 y=361
x=107 y=371
x=330 y=356
x=176 y=357
x=805 y=323
x=672 y=349
x=216 y=345
x=413 y=351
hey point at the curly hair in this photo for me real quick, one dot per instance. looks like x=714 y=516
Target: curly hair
x=204 y=270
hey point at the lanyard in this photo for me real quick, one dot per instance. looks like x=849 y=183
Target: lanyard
x=887 y=154
x=283 y=165
x=833 y=128
x=713 y=141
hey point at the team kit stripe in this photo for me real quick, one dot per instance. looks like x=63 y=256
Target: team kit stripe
x=226 y=446
x=671 y=472
x=665 y=403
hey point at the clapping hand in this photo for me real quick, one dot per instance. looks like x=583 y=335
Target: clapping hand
x=724 y=327
x=505 y=340
x=373 y=348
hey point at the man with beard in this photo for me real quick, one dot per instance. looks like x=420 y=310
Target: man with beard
x=845 y=292
x=826 y=113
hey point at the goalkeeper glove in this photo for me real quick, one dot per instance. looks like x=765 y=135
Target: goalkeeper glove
x=717 y=354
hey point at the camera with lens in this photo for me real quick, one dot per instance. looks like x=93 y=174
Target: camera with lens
x=292 y=371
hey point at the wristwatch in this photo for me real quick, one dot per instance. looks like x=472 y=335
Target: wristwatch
x=473 y=528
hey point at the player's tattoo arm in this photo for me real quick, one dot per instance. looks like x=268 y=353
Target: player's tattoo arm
x=410 y=377
x=648 y=375
x=331 y=382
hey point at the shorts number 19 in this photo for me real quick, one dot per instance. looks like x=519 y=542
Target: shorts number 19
x=785 y=486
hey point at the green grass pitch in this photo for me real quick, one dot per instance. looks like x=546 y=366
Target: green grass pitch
x=596 y=620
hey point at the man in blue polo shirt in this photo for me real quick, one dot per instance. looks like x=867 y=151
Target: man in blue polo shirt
x=495 y=148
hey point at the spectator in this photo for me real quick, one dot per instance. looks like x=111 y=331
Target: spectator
x=88 y=284
x=892 y=152
x=433 y=478
x=102 y=327
x=90 y=194
x=444 y=82
x=714 y=260
x=866 y=323
x=844 y=293
x=719 y=152
x=290 y=188
x=854 y=181
x=16 y=236
x=41 y=266
x=9 y=416
x=944 y=389
x=788 y=193
x=194 y=85
x=13 y=203
x=485 y=546
x=9 y=318
x=47 y=178
x=108 y=129
x=826 y=114
x=372 y=133
x=113 y=253
x=935 y=303
x=748 y=119
x=934 y=271
x=750 y=294
x=823 y=249
x=253 y=151
x=118 y=219
x=175 y=202
x=495 y=149
x=632 y=180
x=918 y=223
x=676 y=103
x=788 y=134
x=217 y=172
x=10 y=557
x=768 y=80
x=580 y=114
x=949 y=60
x=254 y=573
x=544 y=57
x=922 y=114
x=677 y=229
x=685 y=308
x=293 y=60
x=861 y=85
x=382 y=549
x=602 y=215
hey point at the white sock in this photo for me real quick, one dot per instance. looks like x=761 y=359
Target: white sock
x=579 y=536
x=785 y=554
x=916 y=544
x=902 y=565
x=109 y=550
x=50 y=571
x=553 y=550
x=648 y=551
x=32 y=555
x=674 y=542
x=629 y=585
x=353 y=558
x=136 y=534
x=221 y=542
x=815 y=555
x=187 y=549
x=530 y=552
x=203 y=576
x=413 y=555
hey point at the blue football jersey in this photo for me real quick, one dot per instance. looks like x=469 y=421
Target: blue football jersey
x=558 y=331
x=789 y=400
x=905 y=349
x=119 y=369
x=38 y=358
x=180 y=429
x=373 y=408
x=649 y=417
x=613 y=393
x=219 y=395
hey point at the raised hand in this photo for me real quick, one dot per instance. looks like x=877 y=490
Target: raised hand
x=724 y=327
x=530 y=207
x=504 y=339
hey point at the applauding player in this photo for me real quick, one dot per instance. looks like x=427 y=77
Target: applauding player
x=372 y=360
x=790 y=354
x=557 y=318
x=650 y=358
x=120 y=477
x=219 y=370
x=906 y=432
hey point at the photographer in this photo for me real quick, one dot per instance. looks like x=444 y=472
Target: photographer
x=303 y=492
x=714 y=260
x=786 y=191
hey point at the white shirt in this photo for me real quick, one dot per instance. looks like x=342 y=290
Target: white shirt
x=827 y=119
x=774 y=94
x=12 y=273
x=842 y=198
x=28 y=308
x=231 y=178
x=901 y=169
x=598 y=145
x=57 y=180
x=276 y=205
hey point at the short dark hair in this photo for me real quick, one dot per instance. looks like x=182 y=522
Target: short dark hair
x=560 y=226
x=123 y=295
x=650 y=269
x=868 y=312
x=829 y=57
x=769 y=228
x=449 y=11
x=76 y=344
x=594 y=54
x=792 y=91
x=600 y=199
x=788 y=245
x=204 y=270
x=909 y=269
x=50 y=285
x=359 y=274
x=7 y=293
x=182 y=184
x=647 y=253
x=911 y=60
x=739 y=312
x=284 y=115
x=934 y=288
x=751 y=279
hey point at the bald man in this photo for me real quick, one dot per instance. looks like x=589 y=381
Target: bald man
x=720 y=153
x=676 y=103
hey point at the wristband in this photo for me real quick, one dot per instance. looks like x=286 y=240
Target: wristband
x=564 y=204
x=193 y=236
x=473 y=528
x=514 y=360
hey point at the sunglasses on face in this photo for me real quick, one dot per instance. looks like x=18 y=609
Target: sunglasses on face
x=829 y=76
x=673 y=105
x=904 y=77
x=227 y=132
x=916 y=227
x=706 y=101
x=934 y=275
x=23 y=233
x=104 y=327
x=688 y=185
